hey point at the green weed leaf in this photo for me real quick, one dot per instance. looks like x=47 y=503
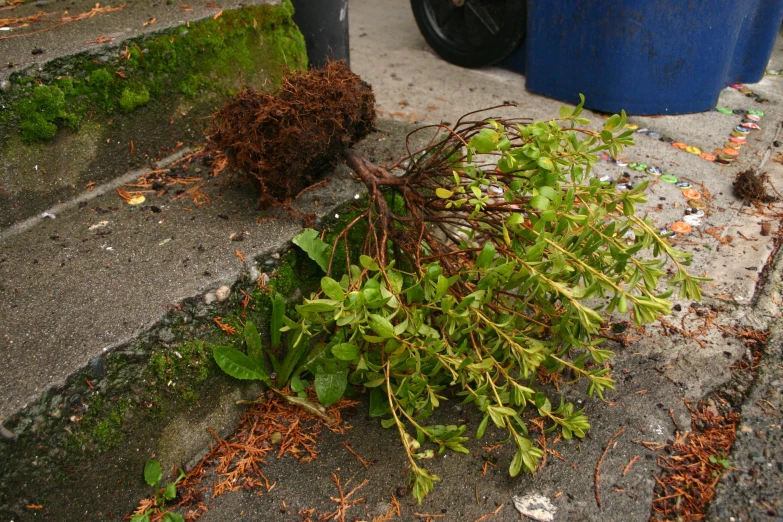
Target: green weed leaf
x=276 y=322
x=379 y=403
x=330 y=386
x=170 y=493
x=239 y=366
x=314 y=247
x=253 y=342
x=332 y=289
x=345 y=351
x=381 y=326
x=152 y=472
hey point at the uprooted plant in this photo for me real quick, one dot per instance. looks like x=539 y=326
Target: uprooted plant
x=491 y=258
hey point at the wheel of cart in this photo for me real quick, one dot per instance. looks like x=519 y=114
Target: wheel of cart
x=471 y=33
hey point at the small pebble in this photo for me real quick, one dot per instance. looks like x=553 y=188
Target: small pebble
x=6 y=433
x=210 y=298
x=222 y=293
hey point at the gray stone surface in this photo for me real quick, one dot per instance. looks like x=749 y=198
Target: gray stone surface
x=70 y=293
x=16 y=52
x=654 y=374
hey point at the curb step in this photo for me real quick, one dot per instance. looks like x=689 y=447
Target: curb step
x=94 y=336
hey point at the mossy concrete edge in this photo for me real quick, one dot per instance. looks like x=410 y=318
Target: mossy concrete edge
x=90 y=116
x=83 y=446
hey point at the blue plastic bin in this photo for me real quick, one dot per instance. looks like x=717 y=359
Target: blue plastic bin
x=643 y=56
x=756 y=41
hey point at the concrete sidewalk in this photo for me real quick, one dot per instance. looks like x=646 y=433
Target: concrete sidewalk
x=74 y=289
x=656 y=374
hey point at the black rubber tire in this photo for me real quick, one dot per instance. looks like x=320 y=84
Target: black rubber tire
x=458 y=34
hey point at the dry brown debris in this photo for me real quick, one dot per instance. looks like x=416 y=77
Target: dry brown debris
x=597 y=474
x=271 y=426
x=691 y=472
x=751 y=187
x=286 y=141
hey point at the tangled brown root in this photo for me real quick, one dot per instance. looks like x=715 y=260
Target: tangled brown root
x=288 y=140
x=751 y=187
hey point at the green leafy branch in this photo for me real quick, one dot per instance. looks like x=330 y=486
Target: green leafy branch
x=485 y=269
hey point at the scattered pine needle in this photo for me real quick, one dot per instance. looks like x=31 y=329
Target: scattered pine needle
x=361 y=460
x=131 y=198
x=103 y=40
x=23 y=21
x=694 y=465
x=91 y=13
x=391 y=511
x=238 y=460
x=650 y=445
x=230 y=330
x=240 y=255
x=600 y=462
x=195 y=194
x=484 y=517
x=343 y=502
x=630 y=464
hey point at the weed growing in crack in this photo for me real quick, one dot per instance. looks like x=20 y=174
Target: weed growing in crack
x=155 y=506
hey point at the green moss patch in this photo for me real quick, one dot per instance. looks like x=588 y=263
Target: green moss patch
x=212 y=56
x=40 y=112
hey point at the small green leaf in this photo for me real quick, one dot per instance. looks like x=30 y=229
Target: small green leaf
x=330 y=386
x=613 y=122
x=545 y=163
x=443 y=193
x=381 y=326
x=239 y=365
x=314 y=246
x=388 y=423
x=379 y=402
x=516 y=463
x=152 y=472
x=368 y=263
x=539 y=202
x=332 y=289
x=565 y=111
x=141 y=517
x=482 y=426
x=277 y=320
x=484 y=141
x=317 y=305
x=173 y=517
x=486 y=256
x=298 y=384
x=345 y=351
x=170 y=493
x=253 y=342
x=547 y=192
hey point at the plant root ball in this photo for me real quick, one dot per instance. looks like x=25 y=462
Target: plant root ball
x=287 y=141
x=751 y=186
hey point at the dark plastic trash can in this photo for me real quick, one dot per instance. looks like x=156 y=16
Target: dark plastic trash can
x=324 y=25
x=664 y=57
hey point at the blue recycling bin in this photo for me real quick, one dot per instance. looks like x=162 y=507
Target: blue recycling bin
x=646 y=57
